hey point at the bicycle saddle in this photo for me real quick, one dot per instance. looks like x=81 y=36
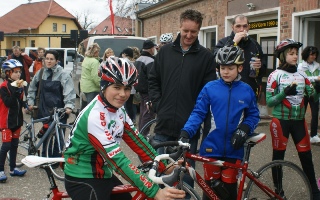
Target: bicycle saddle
x=33 y=161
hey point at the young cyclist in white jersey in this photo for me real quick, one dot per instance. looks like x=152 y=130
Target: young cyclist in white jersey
x=94 y=152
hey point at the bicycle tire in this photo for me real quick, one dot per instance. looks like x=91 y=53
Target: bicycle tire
x=23 y=146
x=149 y=125
x=56 y=168
x=295 y=184
x=189 y=190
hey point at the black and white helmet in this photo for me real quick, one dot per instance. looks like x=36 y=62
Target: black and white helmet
x=166 y=38
x=230 y=55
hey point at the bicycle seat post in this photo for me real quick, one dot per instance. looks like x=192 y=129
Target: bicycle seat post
x=247 y=152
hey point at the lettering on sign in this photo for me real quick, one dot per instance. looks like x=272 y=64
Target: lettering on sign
x=264 y=24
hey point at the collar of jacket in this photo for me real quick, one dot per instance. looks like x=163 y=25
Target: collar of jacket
x=54 y=68
x=145 y=53
x=234 y=82
x=194 y=47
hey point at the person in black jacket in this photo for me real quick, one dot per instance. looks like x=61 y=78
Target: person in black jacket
x=144 y=64
x=180 y=71
x=252 y=52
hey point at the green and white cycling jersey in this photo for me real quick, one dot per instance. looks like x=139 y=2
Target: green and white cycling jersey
x=289 y=107
x=93 y=149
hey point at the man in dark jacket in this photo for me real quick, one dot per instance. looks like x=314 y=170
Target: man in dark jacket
x=179 y=72
x=144 y=64
x=239 y=37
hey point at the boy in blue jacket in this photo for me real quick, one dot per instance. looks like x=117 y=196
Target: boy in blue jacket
x=235 y=115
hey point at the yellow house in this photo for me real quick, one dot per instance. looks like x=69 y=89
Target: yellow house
x=44 y=24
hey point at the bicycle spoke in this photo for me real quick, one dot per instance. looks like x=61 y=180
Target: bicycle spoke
x=285 y=178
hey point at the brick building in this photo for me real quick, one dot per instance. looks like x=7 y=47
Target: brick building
x=270 y=21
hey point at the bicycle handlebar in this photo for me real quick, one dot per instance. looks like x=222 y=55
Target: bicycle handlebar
x=157 y=145
x=167 y=180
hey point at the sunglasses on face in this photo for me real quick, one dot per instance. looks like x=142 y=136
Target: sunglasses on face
x=241 y=25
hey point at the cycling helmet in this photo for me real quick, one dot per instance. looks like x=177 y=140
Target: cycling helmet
x=11 y=64
x=230 y=55
x=117 y=70
x=166 y=38
x=283 y=45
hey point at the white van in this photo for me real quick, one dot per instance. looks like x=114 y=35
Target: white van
x=116 y=43
x=67 y=56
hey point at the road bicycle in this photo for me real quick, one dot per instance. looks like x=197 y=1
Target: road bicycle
x=45 y=163
x=274 y=176
x=56 y=134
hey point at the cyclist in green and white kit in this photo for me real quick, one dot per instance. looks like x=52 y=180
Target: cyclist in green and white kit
x=285 y=92
x=93 y=152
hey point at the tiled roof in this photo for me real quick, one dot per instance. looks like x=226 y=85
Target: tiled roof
x=122 y=26
x=32 y=15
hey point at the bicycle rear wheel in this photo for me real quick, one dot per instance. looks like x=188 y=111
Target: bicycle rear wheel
x=292 y=182
x=23 y=146
x=148 y=129
x=51 y=151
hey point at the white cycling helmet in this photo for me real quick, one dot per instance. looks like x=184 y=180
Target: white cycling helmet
x=11 y=64
x=166 y=38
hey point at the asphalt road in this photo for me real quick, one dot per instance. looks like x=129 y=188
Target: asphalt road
x=35 y=185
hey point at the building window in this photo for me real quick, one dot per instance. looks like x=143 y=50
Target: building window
x=119 y=29
x=18 y=43
x=64 y=28
x=105 y=28
x=32 y=43
x=95 y=31
x=54 y=27
x=13 y=43
x=126 y=30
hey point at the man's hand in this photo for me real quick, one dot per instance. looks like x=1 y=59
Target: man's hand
x=291 y=89
x=239 y=36
x=68 y=110
x=184 y=136
x=256 y=63
x=149 y=106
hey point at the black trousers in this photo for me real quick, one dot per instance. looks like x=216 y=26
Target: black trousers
x=93 y=188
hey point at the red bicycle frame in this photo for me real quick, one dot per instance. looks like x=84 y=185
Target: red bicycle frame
x=243 y=167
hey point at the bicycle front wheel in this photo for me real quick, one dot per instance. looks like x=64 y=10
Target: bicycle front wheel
x=190 y=192
x=284 y=177
x=52 y=149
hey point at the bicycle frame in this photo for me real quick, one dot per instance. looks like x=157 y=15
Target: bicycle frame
x=243 y=167
x=58 y=195
x=55 y=125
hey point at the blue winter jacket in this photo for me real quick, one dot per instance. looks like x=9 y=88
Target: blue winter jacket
x=230 y=105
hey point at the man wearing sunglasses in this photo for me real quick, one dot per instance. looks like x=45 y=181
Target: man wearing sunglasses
x=254 y=66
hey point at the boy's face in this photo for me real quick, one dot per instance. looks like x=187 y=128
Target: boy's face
x=229 y=72
x=117 y=94
x=292 y=56
x=15 y=74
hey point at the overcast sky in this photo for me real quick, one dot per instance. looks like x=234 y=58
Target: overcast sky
x=99 y=9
